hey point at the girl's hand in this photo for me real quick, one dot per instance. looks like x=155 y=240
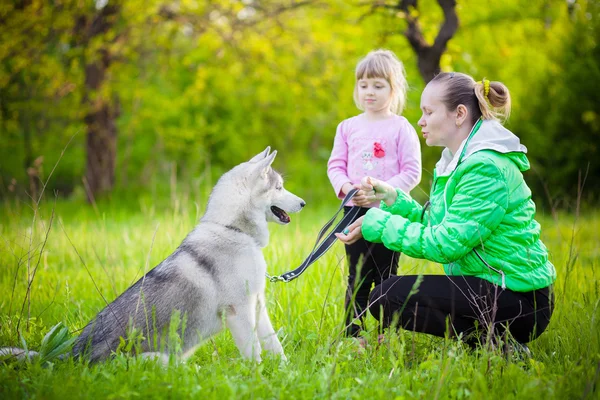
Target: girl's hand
x=360 y=199
x=377 y=190
x=352 y=233
x=347 y=187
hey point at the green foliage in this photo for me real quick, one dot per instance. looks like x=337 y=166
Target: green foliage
x=565 y=140
x=55 y=343
x=203 y=85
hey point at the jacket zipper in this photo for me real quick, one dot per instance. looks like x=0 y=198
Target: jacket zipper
x=498 y=271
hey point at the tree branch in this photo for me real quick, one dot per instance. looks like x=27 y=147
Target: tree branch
x=449 y=27
x=413 y=32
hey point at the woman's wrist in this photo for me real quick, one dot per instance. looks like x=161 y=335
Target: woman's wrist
x=387 y=193
x=390 y=196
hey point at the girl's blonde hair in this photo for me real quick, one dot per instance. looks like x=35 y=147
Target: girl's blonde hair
x=462 y=89
x=385 y=65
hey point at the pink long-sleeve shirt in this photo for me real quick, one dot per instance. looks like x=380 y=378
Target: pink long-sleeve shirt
x=388 y=150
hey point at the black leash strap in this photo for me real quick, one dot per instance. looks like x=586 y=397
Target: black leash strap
x=320 y=248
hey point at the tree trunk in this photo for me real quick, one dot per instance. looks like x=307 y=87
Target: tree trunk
x=101 y=148
x=428 y=62
x=101 y=140
x=429 y=56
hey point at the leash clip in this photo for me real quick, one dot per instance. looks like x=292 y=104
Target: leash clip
x=275 y=278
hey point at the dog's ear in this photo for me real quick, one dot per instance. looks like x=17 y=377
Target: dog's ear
x=265 y=164
x=260 y=156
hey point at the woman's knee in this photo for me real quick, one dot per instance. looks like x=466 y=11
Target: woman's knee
x=378 y=307
x=390 y=296
x=377 y=303
x=379 y=299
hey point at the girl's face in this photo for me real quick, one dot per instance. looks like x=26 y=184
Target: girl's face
x=374 y=95
x=438 y=125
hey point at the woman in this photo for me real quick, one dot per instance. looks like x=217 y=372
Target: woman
x=480 y=224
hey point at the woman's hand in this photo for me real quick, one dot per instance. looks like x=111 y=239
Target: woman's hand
x=377 y=190
x=352 y=233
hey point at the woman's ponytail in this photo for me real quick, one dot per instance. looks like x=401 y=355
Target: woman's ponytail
x=494 y=99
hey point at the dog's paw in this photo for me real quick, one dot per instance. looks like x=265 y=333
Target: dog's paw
x=161 y=358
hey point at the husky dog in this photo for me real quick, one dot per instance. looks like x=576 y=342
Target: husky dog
x=216 y=275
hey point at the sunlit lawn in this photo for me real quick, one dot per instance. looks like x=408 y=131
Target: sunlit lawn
x=93 y=253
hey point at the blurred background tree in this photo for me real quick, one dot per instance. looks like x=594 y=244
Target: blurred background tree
x=562 y=124
x=145 y=95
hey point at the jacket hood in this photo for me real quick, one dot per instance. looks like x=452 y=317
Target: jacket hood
x=485 y=135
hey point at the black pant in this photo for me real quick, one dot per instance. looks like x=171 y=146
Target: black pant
x=452 y=305
x=377 y=264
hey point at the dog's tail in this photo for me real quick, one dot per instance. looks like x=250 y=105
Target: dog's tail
x=7 y=353
x=55 y=345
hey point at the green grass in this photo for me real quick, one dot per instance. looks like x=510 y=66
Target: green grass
x=96 y=252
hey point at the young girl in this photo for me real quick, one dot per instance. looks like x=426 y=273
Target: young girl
x=378 y=143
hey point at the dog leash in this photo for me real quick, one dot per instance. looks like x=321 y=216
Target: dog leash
x=320 y=248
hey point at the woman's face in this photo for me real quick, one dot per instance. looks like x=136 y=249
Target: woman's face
x=438 y=125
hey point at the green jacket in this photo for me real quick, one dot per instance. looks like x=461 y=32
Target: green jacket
x=481 y=219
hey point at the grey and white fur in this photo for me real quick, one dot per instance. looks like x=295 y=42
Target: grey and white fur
x=216 y=275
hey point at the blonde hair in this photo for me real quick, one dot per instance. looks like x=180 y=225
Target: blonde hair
x=462 y=89
x=385 y=65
